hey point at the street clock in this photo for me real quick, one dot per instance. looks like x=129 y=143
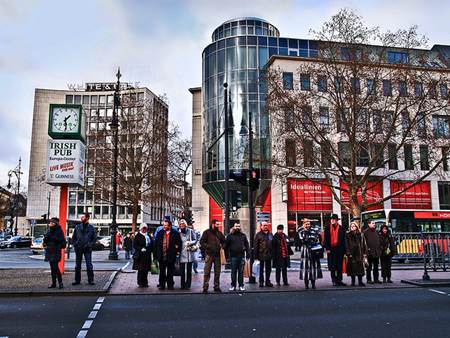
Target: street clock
x=66 y=122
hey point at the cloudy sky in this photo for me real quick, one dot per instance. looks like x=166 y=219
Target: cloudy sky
x=48 y=44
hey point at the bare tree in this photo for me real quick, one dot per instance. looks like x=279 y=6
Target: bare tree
x=363 y=111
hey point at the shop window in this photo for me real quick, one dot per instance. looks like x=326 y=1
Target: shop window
x=444 y=195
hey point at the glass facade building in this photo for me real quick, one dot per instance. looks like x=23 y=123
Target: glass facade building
x=237 y=56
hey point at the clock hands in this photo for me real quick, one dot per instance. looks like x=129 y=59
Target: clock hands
x=65 y=122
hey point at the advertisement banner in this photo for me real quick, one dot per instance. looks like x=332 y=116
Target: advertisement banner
x=374 y=193
x=65 y=162
x=416 y=197
x=307 y=195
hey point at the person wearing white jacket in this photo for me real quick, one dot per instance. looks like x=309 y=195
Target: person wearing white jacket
x=189 y=247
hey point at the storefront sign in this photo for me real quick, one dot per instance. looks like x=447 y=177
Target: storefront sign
x=374 y=193
x=416 y=197
x=309 y=195
x=101 y=86
x=65 y=162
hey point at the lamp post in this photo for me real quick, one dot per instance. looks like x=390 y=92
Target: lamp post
x=227 y=164
x=17 y=172
x=115 y=129
x=251 y=204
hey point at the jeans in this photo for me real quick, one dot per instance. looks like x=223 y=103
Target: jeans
x=373 y=265
x=209 y=261
x=89 y=268
x=186 y=274
x=166 y=274
x=55 y=273
x=265 y=266
x=127 y=254
x=237 y=270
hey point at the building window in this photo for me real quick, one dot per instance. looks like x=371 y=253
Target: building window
x=402 y=88
x=69 y=99
x=356 y=86
x=324 y=117
x=102 y=99
x=406 y=123
x=344 y=154
x=77 y=99
x=377 y=121
x=444 y=90
x=85 y=99
x=93 y=99
x=351 y=54
x=377 y=155
x=397 y=57
x=409 y=162
x=325 y=153
x=444 y=195
x=288 y=81
x=110 y=99
x=371 y=88
x=289 y=120
x=441 y=126
x=418 y=89
x=291 y=156
x=322 y=83
x=424 y=163
x=363 y=155
x=387 y=88
x=422 y=125
x=305 y=83
x=339 y=84
x=72 y=212
x=72 y=197
x=392 y=153
x=445 y=151
x=308 y=153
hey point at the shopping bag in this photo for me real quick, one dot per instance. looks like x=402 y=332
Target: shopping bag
x=154 y=270
x=223 y=259
x=247 y=269
x=255 y=268
x=344 y=264
x=177 y=270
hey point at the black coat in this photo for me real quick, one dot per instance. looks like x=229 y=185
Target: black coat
x=54 y=241
x=211 y=242
x=278 y=261
x=356 y=250
x=373 y=243
x=142 y=260
x=236 y=245
x=387 y=241
x=84 y=237
x=174 y=248
x=263 y=246
x=128 y=243
x=337 y=253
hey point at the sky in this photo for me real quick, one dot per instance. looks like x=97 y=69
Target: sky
x=50 y=43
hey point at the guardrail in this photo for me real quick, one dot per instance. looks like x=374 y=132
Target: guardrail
x=433 y=248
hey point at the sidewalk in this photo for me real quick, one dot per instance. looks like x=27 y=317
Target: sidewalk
x=125 y=283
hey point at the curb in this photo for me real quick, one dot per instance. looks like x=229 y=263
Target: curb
x=429 y=283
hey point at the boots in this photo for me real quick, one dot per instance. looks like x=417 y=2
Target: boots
x=353 y=280
x=306 y=284
x=360 y=281
x=313 y=284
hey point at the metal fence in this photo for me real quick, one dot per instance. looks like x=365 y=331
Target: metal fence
x=432 y=248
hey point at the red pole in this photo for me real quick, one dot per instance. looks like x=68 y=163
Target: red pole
x=63 y=202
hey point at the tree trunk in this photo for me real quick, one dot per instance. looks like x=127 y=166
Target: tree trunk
x=135 y=209
x=354 y=203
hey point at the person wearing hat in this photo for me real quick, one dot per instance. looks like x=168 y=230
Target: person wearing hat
x=281 y=251
x=334 y=243
x=54 y=242
x=168 y=247
x=142 y=257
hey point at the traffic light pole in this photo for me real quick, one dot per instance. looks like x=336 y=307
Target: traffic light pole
x=227 y=169
x=251 y=204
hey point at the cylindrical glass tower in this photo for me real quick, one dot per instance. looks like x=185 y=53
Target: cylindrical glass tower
x=237 y=55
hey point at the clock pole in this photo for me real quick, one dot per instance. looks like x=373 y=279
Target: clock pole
x=115 y=128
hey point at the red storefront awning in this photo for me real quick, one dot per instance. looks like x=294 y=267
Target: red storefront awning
x=307 y=195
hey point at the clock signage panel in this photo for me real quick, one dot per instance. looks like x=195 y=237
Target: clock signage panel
x=66 y=122
x=66 y=162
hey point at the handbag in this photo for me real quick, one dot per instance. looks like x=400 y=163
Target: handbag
x=223 y=259
x=366 y=262
x=246 y=271
x=192 y=247
x=154 y=269
x=177 y=269
x=256 y=267
x=317 y=251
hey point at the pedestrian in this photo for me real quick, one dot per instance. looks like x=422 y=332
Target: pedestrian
x=334 y=243
x=310 y=253
x=211 y=243
x=83 y=239
x=388 y=250
x=197 y=252
x=236 y=250
x=356 y=251
x=168 y=247
x=280 y=252
x=128 y=245
x=142 y=257
x=263 y=253
x=373 y=253
x=54 y=241
x=118 y=240
x=189 y=248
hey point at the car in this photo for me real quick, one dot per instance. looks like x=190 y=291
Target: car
x=102 y=242
x=37 y=245
x=17 y=242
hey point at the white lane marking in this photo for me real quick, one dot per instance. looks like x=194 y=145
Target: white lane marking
x=97 y=307
x=92 y=315
x=82 y=334
x=437 y=291
x=87 y=324
x=125 y=266
x=100 y=299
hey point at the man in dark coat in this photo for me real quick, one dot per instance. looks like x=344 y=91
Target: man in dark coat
x=263 y=253
x=54 y=242
x=211 y=243
x=142 y=258
x=373 y=252
x=334 y=243
x=127 y=245
x=83 y=239
x=236 y=248
x=281 y=251
x=168 y=247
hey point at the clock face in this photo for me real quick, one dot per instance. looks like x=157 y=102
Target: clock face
x=65 y=120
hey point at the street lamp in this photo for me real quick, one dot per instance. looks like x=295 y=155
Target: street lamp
x=17 y=172
x=115 y=128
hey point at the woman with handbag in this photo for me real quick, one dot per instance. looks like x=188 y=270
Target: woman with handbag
x=142 y=257
x=187 y=256
x=310 y=253
x=388 y=250
x=54 y=242
x=356 y=253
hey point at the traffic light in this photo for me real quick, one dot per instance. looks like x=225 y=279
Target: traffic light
x=253 y=180
x=240 y=177
x=236 y=199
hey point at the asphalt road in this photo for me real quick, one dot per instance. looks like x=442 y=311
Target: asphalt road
x=21 y=258
x=397 y=313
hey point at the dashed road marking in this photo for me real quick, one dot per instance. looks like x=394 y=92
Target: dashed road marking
x=93 y=314
x=438 y=291
x=88 y=323
x=82 y=334
x=97 y=306
x=100 y=299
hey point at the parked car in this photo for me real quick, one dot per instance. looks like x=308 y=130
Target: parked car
x=37 y=245
x=103 y=242
x=17 y=242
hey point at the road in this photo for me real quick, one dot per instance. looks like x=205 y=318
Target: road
x=397 y=313
x=21 y=258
